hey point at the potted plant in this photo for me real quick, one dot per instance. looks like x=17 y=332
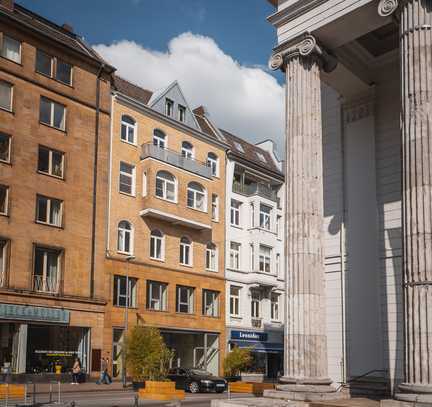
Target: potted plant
x=236 y=361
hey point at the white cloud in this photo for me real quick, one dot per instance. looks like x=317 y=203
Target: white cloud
x=244 y=100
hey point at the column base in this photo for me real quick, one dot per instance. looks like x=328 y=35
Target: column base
x=411 y=395
x=306 y=392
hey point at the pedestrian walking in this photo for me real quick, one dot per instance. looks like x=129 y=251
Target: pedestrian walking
x=76 y=371
x=105 y=378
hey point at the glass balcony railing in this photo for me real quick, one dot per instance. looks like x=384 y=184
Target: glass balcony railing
x=255 y=189
x=176 y=159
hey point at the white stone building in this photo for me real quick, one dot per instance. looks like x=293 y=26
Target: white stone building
x=359 y=235
x=254 y=253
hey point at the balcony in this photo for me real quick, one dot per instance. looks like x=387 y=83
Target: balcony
x=47 y=284
x=261 y=190
x=256 y=322
x=176 y=159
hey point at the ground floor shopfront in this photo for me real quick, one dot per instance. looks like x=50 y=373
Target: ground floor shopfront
x=266 y=348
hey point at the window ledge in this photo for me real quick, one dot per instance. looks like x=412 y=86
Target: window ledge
x=129 y=143
x=69 y=85
x=126 y=194
x=185 y=314
x=53 y=127
x=49 y=224
x=157 y=310
x=159 y=260
x=6 y=162
x=5 y=215
x=11 y=60
x=186 y=265
x=196 y=209
x=166 y=200
x=50 y=175
x=211 y=271
x=135 y=308
x=7 y=110
x=236 y=226
x=124 y=253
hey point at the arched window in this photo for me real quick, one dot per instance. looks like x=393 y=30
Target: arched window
x=187 y=150
x=156 y=245
x=213 y=163
x=159 y=138
x=125 y=237
x=128 y=129
x=166 y=186
x=185 y=251
x=196 y=196
x=211 y=257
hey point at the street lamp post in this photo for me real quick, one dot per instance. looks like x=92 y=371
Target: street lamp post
x=126 y=321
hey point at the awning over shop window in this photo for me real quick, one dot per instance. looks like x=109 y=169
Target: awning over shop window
x=259 y=346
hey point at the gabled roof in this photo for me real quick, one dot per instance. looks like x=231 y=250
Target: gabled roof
x=130 y=89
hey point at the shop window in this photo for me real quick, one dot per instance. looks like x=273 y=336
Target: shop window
x=166 y=186
x=211 y=257
x=159 y=139
x=51 y=162
x=47 y=269
x=235 y=212
x=125 y=237
x=185 y=251
x=187 y=150
x=275 y=307
x=3 y=261
x=265 y=216
x=157 y=296
x=6 y=95
x=215 y=207
x=196 y=196
x=11 y=49
x=235 y=255
x=124 y=295
x=213 y=163
x=234 y=301
x=127 y=178
x=156 y=245
x=49 y=211
x=128 y=129
x=185 y=299
x=4 y=200
x=265 y=259
x=210 y=303
x=52 y=113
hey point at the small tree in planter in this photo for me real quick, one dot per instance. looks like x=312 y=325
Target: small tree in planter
x=147 y=356
x=237 y=361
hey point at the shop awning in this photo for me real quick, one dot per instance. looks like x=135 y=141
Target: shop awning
x=260 y=346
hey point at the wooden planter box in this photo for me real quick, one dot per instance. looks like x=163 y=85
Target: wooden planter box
x=11 y=391
x=160 y=391
x=250 y=387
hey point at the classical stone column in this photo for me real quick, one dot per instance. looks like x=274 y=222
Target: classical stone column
x=415 y=21
x=305 y=328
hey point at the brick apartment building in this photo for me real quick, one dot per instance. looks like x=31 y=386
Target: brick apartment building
x=54 y=141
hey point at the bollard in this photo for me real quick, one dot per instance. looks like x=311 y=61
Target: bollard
x=59 y=393
x=50 y=393
x=136 y=400
x=7 y=395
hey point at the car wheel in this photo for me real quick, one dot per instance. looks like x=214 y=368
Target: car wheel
x=194 y=387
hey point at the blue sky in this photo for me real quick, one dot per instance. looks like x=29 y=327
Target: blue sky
x=217 y=50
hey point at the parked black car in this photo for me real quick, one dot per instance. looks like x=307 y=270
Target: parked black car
x=196 y=380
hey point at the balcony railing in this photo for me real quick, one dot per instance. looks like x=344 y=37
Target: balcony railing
x=255 y=189
x=45 y=284
x=256 y=322
x=176 y=159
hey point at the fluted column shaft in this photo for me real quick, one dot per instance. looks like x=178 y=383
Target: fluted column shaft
x=306 y=347
x=416 y=123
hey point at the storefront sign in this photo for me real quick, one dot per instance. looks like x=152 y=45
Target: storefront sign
x=30 y=313
x=249 y=336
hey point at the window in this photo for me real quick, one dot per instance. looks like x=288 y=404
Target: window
x=252 y=256
x=265 y=214
x=11 y=49
x=260 y=157
x=169 y=107
x=274 y=307
x=52 y=113
x=234 y=301
x=50 y=162
x=185 y=300
x=215 y=207
x=255 y=304
x=127 y=178
x=166 y=186
x=278 y=265
x=187 y=150
x=211 y=257
x=265 y=258
x=213 y=163
x=252 y=215
x=4 y=199
x=144 y=184
x=185 y=251
x=125 y=237
x=159 y=139
x=53 y=67
x=6 y=91
x=156 y=245
x=235 y=212
x=128 y=129
x=157 y=296
x=210 y=306
x=196 y=197
x=46 y=270
x=235 y=255
x=5 y=147
x=238 y=146
x=49 y=211
x=279 y=226
x=181 y=113
x=3 y=261
x=124 y=295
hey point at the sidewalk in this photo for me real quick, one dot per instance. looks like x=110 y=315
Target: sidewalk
x=44 y=388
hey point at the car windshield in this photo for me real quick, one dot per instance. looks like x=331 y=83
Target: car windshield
x=200 y=372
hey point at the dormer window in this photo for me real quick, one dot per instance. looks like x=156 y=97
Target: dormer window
x=181 y=113
x=261 y=157
x=169 y=107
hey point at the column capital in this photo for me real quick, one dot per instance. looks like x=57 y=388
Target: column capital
x=387 y=7
x=305 y=46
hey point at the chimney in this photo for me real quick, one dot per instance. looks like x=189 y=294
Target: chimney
x=67 y=27
x=7 y=4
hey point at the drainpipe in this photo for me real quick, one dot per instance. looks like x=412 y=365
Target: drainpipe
x=95 y=175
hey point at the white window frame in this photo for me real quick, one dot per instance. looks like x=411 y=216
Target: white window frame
x=195 y=193
x=252 y=215
x=278 y=265
x=189 y=303
x=235 y=255
x=46 y=285
x=9 y=150
x=279 y=226
x=157 y=240
x=255 y=304
x=128 y=126
x=235 y=212
x=213 y=163
x=11 y=97
x=265 y=218
x=160 y=139
x=49 y=207
x=265 y=259
x=165 y=182
x=144 y=184
x=130 y=295
x=186 y=251
x=187 y=150
x=50 y=162
x=252 y=256
x=4 y=245
x=213 y=306
x=6 y=200
x=124 y=231
x=274 y=307
x=128 y=175
x=234 y=304
x=52 y=114
x=211 y=257
x=215 y=207
x=3 y=50
x=154 y=303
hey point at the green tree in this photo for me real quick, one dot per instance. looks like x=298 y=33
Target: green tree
x=237 y=361
x=147 y=356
